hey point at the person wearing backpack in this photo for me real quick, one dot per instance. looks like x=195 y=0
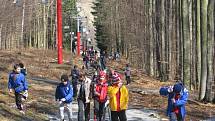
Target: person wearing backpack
x=118 y=99
x=75 y=77
x=177 y=99
x=18 y=84
x=100 y=97
x=64 y=96
x=83 y=97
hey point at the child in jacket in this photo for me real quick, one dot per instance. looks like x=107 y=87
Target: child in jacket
x=118 y=99
x=64 y=96
x=177 y=99
x=100 y=96
x=18 y=83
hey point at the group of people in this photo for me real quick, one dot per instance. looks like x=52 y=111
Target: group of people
x=90 y=56
x=103 y=88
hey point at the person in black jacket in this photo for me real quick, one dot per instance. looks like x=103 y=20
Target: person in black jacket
x=75 y=77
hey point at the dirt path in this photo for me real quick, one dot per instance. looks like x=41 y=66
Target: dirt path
x=133 y=114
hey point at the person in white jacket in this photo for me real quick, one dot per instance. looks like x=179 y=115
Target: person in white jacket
x=83 y=97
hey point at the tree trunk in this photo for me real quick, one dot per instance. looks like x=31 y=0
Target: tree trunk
x=190 y=39
x=186 y=42
x=23 y=22
x=204 y=4
x=210 y=46
x=151 y=60
x=194 y=49
x=1 y=36
x=44 y=27
x=163 y=44
x=198 y=42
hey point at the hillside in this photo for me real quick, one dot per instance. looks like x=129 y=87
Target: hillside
x=42 y=65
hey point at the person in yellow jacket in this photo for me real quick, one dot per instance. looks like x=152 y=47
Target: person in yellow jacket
x=118 y=99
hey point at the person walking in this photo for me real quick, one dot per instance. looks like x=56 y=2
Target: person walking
x=83 y=97
x=118 y=99
x=127 y=74
x=100 y=97
x=103 y=60
x=64 y=96
x=75 y=77
x=18 y=84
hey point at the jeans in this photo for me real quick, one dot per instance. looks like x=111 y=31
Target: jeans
x=99 y=108
x=68 y=107
x=83 y=111
x=118 y=115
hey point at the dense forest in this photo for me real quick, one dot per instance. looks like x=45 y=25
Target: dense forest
x=167 y=39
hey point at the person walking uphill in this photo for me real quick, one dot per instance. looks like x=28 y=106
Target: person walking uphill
x=64 y=95
x=177 y=99
x=18 y=83
x=75 y=77
x=83 y=97
x=118 y=99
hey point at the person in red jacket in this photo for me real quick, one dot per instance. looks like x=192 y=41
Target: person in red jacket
x=100 y=97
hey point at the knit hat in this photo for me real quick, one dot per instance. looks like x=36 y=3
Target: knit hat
x=102 y=73
x=177 y=88
x=64 y=78
x=116 y=78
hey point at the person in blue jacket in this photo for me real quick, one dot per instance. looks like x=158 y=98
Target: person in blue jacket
x=18 y=83
x=177 y=99
x=64 y=96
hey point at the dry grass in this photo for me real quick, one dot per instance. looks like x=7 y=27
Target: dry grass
x=39 y=63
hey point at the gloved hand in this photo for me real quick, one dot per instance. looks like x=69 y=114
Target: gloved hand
x=25 y=94
x=87 y=100
x=173 y=100
x=10 y=90
x=60 y=102
x=63 y=99
x=170 y=89
x=120 y=84
x=106 y=103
